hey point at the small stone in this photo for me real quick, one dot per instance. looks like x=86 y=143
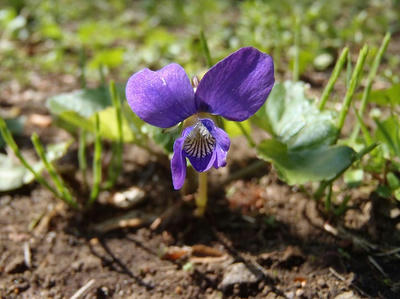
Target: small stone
x=16 y=265
x=128 y=198
x=299 y=292
x=289 y=295
x=237 y=274
x=321 y=282
x=346 y=295
x=178 y=290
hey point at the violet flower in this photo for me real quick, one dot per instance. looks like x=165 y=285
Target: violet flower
x=235 y=88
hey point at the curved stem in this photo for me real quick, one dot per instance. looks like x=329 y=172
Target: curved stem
x=201 y=198
x=246 y=134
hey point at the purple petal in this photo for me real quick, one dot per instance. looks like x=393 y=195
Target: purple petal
x=204 y=163
x=222 y=142
x=237 y=86
x=217 y=157
x=222 y=147
x=161 y=98
x=178 y=164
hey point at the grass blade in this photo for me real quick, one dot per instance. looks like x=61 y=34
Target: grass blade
x=7 y=136
x=352 y=88
x=116 y=165
x=96 y=164
x=370 y=79
x=205 y=48
x=332 y=80
x=63 y=191
x=296 y=61
x=82 y=155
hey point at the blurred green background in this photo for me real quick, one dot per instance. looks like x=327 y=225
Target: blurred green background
x=53 y=37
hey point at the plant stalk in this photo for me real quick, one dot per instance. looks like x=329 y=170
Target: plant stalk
x=370 y=79
x=82 y=155
x=201 y=197
x=7 y=136
x=116 y=165
x=250 y=140
x=296 y=62
x=205 y=48
x=63 y=191
x=96 y=164
x=332 y=80
x=352 y=88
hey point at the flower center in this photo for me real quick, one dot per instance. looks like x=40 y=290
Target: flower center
x=199 y=143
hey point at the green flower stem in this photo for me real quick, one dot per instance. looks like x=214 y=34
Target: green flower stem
x=250 y=140
x=201 y=197
x=7 y=136
x=322 y=186
x=349 y=70
x=116 y=165
x=62 y=189
x=332 y=80
x=352 y=88
x=296 y=62
x=96 y=163
x=370 y=79
x=82 y=66
x=82 y=155
x=367 y=136
x=102 y=75
x=328 y=199
x=205 y=48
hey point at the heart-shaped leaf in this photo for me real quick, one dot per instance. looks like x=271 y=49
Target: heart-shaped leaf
x=14 y=175
x=292 y=118
x=387 y=96
x=85 y=102
x=108 y=124
x=308 y=165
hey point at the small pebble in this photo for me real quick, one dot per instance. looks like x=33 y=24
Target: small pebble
x=299 y=292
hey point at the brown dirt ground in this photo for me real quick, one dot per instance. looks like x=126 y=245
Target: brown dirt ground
x=259 y=238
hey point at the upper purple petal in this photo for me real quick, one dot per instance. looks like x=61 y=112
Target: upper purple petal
x=237 y=86
x=161 y=98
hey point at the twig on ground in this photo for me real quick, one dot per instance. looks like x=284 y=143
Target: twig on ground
x=376 y=265
x=336 y=274
x=253 y=167
x=44 y=222
x=27 y=255
x=83 y=290
x=130 y=219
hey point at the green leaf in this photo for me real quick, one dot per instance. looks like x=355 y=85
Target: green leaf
x=383 y=191
x=164 y=138
x=396 y=194
x=354 y=177
x=393 y=181
x=309 y=165
x=108 y=124
x=233 y=130
x=293 y=119
x=84 y=102
x=14 y=175
x=11 y=174
x=110 y=58
x=387 y=132
x=388 y=96
x=16 y=127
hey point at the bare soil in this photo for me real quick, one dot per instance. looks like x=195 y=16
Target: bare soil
x=259 y=238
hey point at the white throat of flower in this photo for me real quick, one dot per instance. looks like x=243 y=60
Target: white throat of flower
x=199 y=143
